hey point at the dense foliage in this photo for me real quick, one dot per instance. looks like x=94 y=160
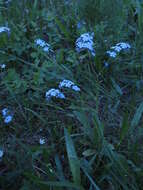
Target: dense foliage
x=84 y=134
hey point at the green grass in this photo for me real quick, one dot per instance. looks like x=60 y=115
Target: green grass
x=93 y=138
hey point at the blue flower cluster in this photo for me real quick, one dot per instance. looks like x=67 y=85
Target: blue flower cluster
x=85 y=41
x=4 y=29
x=117 y=49
x=54 y=93
x=7 y=115
x=43 y=44
x=57 y=93
x=68 y=84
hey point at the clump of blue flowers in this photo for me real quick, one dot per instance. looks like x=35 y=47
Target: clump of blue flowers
x=85 y=42
x=43 y=44
x=54 y=93
x=7 y=115
x=112 y=54
x=4 y=29
x=68 y=84
x=118 y=48
x=2 y=66
x=57 y=93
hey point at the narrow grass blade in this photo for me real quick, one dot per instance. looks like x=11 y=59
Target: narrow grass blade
x=62 y=28
x=124 y=129
x=90 y=179
x=73 y=159
x=59 y=169
x=67 y=184
x=81 y=116
x=137 y=116
x=117 y=87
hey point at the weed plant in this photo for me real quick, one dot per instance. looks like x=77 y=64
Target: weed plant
x=91 y=139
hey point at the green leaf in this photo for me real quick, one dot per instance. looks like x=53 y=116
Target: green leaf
x=73 y=159
x=124 y=128
x=137 y=116
x=59 y=169
x=92 y=181
x=67 y=184
x=35 y=4
x=119 y=168
x=83 y=119
x=88 y=152
x=62 y=28
x=117 y=87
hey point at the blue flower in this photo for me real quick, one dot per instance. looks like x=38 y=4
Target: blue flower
x=54 y=93
x=112 y=53
x=123 y=45
x=7 y=115
x=43 y=44
x=5 y=112
x=4 y=29
x=68 y=84
x=85 y=41
x=3 y=66
x=42 y=141
x=118 y=48
x=8 y=119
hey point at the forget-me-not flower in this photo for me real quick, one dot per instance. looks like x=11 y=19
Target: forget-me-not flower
x=5 y=112
x=85 y=41
x=112 y=53
x=54 y=93
x=43 y=44
x=118 y=48
x=68 y=84
x=8 y=119
x=123 y=45
x=2 y=66
x=42 y=141
x=7 y=115
x=4 y=29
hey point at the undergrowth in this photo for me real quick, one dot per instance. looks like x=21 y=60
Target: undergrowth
x=92 y=138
